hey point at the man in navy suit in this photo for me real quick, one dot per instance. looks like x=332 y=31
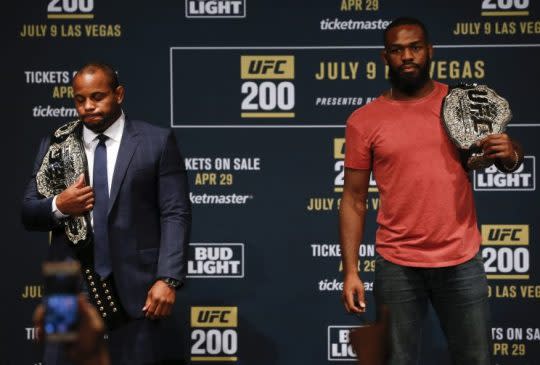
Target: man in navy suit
x=137 y=197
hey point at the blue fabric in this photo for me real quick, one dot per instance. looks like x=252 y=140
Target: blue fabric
x=102 y=255
x=459 y=295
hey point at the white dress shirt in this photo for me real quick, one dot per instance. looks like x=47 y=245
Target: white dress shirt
x=90 y=142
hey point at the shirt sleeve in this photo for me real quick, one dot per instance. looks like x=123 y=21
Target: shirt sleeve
x=357 y=147
x=57 y=213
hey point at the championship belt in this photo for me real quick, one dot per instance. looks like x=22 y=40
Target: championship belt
x=469 y=114
x=62 y=164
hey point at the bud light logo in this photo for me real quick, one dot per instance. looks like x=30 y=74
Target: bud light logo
x=523 y=179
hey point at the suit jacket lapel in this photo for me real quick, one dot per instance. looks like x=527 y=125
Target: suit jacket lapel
x=128 y=145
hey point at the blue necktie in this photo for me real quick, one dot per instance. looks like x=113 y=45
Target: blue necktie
x=102 y=257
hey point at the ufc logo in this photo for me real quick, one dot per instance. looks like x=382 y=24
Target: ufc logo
x=213 y=316
x=266 y=66
x=501 y=234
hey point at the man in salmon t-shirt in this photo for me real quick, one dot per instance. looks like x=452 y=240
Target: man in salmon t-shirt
x=427 y=242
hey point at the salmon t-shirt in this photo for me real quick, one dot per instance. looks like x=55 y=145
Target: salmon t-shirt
x=427 y=216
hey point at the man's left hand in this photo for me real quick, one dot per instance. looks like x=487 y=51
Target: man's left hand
x=159 y=301
x=498 y=146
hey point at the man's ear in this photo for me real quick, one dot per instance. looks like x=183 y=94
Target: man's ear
x=383 y=56
x=119 y=93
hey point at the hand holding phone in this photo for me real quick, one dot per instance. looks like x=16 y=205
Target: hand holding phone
x=89 y=348
x=62 y=287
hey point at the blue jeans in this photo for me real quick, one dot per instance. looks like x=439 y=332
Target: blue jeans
x=459 y=295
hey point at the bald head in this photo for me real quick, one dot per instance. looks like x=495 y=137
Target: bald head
x=399 y=22
x=93 y=67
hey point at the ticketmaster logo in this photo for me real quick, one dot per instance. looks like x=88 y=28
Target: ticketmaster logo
x=211 y=199
x=215 y=8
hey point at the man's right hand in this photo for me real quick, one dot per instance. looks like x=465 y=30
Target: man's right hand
x=77 y=199
x=353 y=294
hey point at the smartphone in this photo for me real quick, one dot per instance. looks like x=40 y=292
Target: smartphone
x=62 y=288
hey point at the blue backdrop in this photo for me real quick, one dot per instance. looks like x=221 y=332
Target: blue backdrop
x=258 y=93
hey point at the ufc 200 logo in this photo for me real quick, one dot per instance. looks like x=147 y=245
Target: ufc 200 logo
x=504 y=8
x=214 y=334
x=505 y=4
x=505 y=249
x=268 y=91
x=70 y=6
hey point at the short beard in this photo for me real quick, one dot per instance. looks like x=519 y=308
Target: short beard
x=104 y=124
x=409 y=85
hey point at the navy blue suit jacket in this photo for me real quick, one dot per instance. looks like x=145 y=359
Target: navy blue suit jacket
x=149 y=213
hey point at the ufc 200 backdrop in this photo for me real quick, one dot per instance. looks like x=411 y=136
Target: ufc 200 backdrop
x=257 y=92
